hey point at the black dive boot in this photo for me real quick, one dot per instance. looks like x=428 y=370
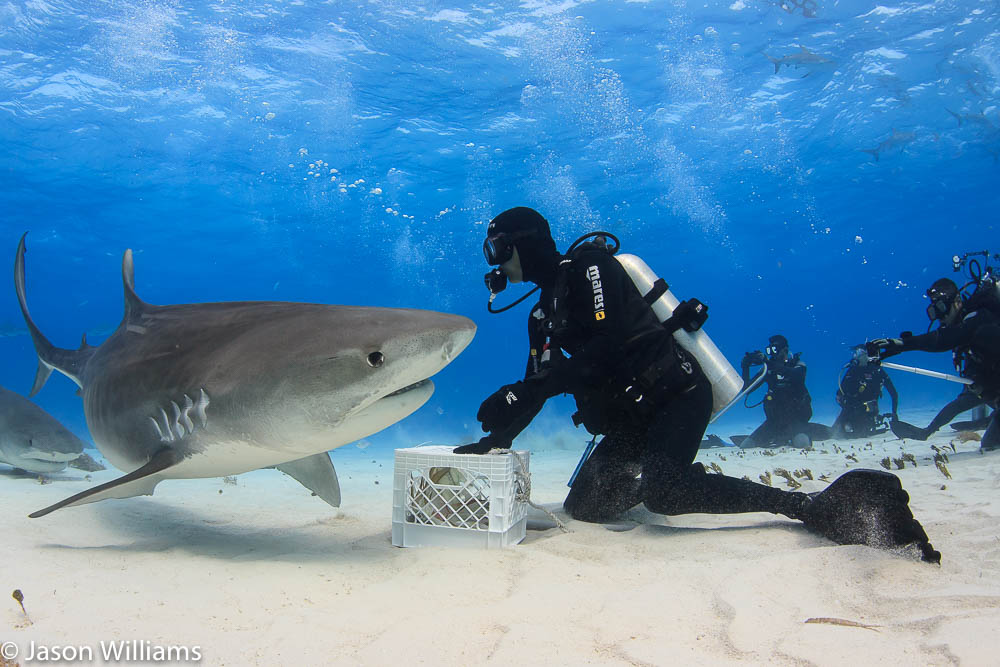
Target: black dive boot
x=867 y=507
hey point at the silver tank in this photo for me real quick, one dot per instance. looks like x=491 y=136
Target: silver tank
x=726 y=382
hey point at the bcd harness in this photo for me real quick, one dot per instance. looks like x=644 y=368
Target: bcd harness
x=553 y=322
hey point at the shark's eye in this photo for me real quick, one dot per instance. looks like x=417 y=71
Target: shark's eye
x=376 y=359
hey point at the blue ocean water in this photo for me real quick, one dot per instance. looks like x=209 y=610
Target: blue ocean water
x=353 y=153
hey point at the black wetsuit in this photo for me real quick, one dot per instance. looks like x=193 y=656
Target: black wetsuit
x=975 y=343
x=634 y=385
x=787 y=405
x=858 y=395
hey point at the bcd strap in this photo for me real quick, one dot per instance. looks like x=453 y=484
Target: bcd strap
x=660 y=288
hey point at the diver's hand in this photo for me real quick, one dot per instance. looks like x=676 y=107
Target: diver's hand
x=689 y=315
x=755 y=358
x=482 y=447
x=505 y=405
x=882 y=348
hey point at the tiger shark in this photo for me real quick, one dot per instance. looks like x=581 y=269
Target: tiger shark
x=215 y=389
x=895 y=140
x=802 y=58
x=33 y=440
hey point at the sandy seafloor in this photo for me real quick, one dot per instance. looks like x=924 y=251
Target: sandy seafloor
x=261 y=573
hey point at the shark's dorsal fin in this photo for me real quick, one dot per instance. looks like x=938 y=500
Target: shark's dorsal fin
x=133 y=304
x=805 y=50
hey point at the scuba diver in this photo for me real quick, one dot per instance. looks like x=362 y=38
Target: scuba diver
x=594 y=335
x=787 y=404
x=858 y=392
x=970 y=329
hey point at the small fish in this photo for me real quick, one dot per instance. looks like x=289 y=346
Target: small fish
x=895 y=140
x=801 y=59
x=844 y=622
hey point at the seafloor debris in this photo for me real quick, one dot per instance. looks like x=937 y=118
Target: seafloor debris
x=851 y=457
x=791 y=481
x=843 y=621
x=944 y=469
x=900 y=463
x=911 y=458
x=968 y=436
x=766 y=478
x=19 y=596
x=886 y=463
x=715 y=467
x=229 y=479
x=804 y=472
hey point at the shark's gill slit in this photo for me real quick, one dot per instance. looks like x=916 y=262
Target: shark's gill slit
x=181 y=424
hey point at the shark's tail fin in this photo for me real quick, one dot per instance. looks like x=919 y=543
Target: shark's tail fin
x=776 y=61
x=67 y=362
x=957 y=116
x=871 y=151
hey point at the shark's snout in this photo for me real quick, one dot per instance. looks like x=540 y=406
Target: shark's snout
x=460 y=337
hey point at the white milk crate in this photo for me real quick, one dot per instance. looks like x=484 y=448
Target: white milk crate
x=470 y=500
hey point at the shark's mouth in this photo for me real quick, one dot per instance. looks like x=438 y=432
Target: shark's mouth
x=55 y=457
x=411 y=387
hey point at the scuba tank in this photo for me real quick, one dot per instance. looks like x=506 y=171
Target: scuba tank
x=726 y=382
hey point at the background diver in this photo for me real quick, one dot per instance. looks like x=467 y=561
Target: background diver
x=787 y=404
x=592 y=334
x=971 y=330
x=858 y=392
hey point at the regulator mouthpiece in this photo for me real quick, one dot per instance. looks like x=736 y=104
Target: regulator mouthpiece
x=496 y=282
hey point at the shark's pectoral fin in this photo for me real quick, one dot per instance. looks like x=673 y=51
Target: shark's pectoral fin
x=317 y=474
x=140 y=482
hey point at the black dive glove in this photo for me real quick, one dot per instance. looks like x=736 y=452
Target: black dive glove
x=688 y=315
x=882 y=348
x=504 y=406
x=483 y=446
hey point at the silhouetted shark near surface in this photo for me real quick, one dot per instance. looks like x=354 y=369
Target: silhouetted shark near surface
x=215 y=389
x=31 y=439
x=803 y=58
x=895 y=140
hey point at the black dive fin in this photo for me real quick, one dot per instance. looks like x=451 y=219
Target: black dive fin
x=713 y=440
x=817 y=431
x=140 y=482
x=867 y=507
x=973 y=425
x=317 y=474
x=907 y=431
